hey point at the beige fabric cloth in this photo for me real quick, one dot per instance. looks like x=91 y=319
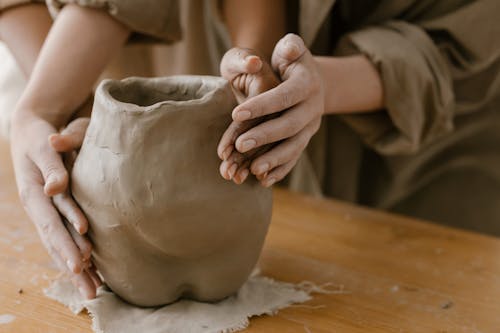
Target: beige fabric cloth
x=258 y=296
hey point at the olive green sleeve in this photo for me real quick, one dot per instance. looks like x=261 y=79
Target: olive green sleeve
x=148 y=19
x=434 y=66
x=417 y=84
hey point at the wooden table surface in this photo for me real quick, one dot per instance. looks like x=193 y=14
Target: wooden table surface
x=397 y=274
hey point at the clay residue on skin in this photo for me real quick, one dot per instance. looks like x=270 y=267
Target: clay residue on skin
x=6 y=318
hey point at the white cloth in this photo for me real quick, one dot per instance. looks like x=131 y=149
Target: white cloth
x=259 y=295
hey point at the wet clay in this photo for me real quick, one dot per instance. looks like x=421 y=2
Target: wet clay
x=163 y=222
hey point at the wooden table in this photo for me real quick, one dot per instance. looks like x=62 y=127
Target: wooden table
x=397 y=274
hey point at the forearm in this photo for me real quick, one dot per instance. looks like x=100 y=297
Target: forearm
x=352 y=84
x=79 y=45
x=256 y=25
x=24 y=29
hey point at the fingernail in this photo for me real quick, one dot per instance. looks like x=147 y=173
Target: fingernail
x=86 y=257
x=81 y=230
x=227 y=152
x=51 y=182
x=261 y=168
x=53 y=179
x=249 y=57
x=293 y=49
x=72 y=266
x=248 y=144
x=251 y=61
x=53 y=137
x=244 y=175
x=242 y=115
x=269 y=182
x=232 y=170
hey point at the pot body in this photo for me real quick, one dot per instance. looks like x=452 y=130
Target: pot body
x=163 y=222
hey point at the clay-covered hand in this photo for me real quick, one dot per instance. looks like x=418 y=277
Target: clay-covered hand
x=249 y=75
x=297 y=104
x=42 y=180
x=68 y=142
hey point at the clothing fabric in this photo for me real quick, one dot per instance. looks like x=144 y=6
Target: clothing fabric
x=110 y=314
x=149 y=19
x=4 y=4
x=434 y=151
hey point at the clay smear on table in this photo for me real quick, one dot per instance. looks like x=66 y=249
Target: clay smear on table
x=6 y=318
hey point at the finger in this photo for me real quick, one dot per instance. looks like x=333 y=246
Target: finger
x=261 y=176
x=278 y=174
x=70 y=210
x=86 y=286
x=51 y=166
x=244 y=160
x=77 y=128
x=242 y=172
x=238 y=61
x=230 y=166
x=227 y=169
x=283 y=127
x=284 y=152
x=227 y=140
x=235 y=129
x=60 y=263
x=82 y=242
x=49 y=225
x=288 y=50
x=280 y=98
x=94 y=276
x=70 y=138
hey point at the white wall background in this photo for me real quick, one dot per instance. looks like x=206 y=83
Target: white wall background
x=12 y=82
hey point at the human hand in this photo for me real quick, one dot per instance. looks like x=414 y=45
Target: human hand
x=298 y=103
x=68 y=142
x=42 y=180
x=249 y=76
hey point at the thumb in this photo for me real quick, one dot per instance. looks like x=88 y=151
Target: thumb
x=51 y=166
x=288 y=50
x=71 y=137
x=239 y=61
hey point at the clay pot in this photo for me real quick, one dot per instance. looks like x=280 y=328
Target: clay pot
x=163 y=222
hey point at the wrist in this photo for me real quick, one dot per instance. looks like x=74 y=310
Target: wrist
x=352 y=84
x=327 y=69
x=27 y=109
x=322 y=82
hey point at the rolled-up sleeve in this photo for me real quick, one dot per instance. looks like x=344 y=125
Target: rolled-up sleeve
x=5 y=4
x=148 y=19
x=417 y=83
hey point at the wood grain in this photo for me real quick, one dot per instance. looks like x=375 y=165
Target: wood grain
x=388 y=273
